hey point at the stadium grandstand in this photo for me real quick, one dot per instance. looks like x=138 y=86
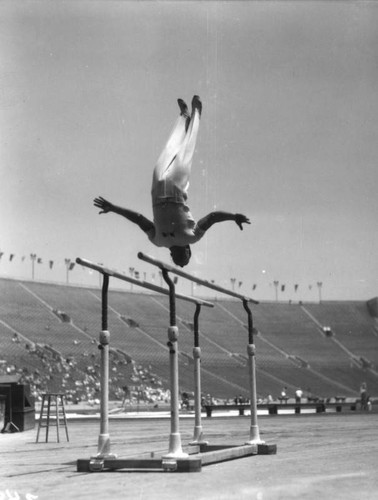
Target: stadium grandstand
x=49 y=338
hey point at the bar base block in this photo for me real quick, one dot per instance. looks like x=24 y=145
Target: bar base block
x=198 y=456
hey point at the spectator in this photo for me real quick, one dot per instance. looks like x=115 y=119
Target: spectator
x=298 y=395
x=368 y=404
x=364 y=396
x=284 y=395
x=126 y=394
x=185 y=401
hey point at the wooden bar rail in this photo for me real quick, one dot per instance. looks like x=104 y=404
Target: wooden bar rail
x=199 y=281
x=144 y=284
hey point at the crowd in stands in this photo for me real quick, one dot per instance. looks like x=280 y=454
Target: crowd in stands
x=78 y=377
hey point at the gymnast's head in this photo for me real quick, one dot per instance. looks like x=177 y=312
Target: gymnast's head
x=181 y=255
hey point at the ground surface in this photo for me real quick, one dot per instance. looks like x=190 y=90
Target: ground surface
x=323 y=456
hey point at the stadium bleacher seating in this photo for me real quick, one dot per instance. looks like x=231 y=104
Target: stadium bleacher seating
x=292 y=350
x=351 y=323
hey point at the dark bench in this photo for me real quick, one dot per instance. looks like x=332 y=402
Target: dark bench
x=339 y=405
x=283 y=399
x=273 y=408
x=210 y=408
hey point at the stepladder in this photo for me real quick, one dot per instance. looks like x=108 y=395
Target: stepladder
x=52 y=414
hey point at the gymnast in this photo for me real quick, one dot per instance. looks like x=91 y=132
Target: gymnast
x=174 y=226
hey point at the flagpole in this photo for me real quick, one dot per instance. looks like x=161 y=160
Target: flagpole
x=33 y=257
x=67 y=262
x=275 y=283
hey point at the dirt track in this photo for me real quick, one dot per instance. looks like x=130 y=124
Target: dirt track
x=319 y=456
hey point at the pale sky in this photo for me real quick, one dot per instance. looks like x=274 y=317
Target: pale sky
x=288 y=136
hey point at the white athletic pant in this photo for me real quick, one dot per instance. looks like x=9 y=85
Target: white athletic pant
x=170 y=180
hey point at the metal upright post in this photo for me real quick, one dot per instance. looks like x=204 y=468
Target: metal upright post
x=254 y=436
x=103 y=448
x=175 y=448
x=197 y=436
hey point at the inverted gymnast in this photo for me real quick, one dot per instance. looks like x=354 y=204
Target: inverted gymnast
x=174 y=226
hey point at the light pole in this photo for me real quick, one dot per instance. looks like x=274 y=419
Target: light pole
x=320 y=284
x=276 y=283
x=33 y=257
x=67 y=262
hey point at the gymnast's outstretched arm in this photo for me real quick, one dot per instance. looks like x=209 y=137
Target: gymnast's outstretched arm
x=145 y=224
x=206 y=222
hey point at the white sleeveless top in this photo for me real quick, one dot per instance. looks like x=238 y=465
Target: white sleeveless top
x=174 y=225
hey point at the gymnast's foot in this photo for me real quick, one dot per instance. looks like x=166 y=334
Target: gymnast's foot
x=183 y=107
x=196 y=104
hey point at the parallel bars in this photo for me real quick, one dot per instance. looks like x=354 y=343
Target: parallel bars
x=175 y=448
x=254 y=437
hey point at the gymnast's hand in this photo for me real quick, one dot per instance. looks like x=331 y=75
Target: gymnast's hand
x=105 y=205
x=241 y=219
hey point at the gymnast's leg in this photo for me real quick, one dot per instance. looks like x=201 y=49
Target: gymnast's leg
x=173 y=144
x=179 y=171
